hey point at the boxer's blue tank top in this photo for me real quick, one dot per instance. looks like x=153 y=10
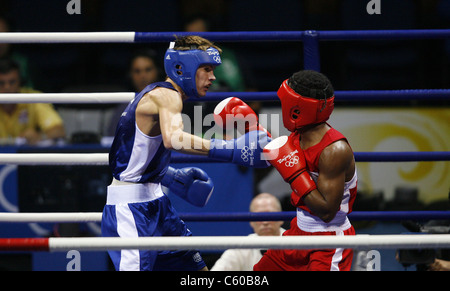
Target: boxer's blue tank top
x=135 y=156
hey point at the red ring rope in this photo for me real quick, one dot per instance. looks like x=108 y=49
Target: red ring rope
x=24 y=244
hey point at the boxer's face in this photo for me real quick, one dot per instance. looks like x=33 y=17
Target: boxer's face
x=204 y=78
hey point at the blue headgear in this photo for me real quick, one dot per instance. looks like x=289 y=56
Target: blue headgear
x=181 y=66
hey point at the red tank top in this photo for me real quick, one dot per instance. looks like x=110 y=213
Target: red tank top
x=312 y=155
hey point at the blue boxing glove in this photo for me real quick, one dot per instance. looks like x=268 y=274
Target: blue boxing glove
x=245 y=150
x=191 y=184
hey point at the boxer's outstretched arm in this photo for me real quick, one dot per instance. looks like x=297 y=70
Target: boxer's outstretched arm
x=164 y=109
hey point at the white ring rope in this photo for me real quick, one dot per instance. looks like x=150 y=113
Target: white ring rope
x=248 y=242
x=54 y=217
x=116 y=97
x=54 y=159
x=67 y=37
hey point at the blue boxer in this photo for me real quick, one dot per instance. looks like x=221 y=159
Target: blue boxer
x=139 y=210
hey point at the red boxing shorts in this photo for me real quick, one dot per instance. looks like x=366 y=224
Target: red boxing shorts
x=307 y=260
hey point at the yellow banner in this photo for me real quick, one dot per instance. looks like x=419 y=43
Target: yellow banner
x=399 y=129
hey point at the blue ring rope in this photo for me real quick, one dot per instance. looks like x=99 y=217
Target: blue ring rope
x=359 y=157
x=298 y=35
x=401 y=156
x=288 y=215
x=310 y=38
x=360 y=95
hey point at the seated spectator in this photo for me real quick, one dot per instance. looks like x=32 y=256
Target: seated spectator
x=229 y=75
x=439 y=265
x=33 y=122
x=7 y=51
x=143 y=70
x=244 y=259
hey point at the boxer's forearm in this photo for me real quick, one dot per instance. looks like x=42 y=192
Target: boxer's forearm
x=186 y=143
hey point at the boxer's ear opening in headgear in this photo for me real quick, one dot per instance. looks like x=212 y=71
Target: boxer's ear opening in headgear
x=179 y=68
x=295 y=114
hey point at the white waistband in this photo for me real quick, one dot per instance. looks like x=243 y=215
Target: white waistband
x=124 y=192
x=310 y=223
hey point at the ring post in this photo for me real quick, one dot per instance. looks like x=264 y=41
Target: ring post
x=311 y=55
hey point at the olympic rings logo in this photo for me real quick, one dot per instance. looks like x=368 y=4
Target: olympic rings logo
x=290 y=159
x=246 y=153
x=217 y=59
x=293 y=161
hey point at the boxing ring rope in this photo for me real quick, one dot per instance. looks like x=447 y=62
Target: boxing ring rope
x=93 y=159
x=54 y=217
x=125 y=97
x=288 y=215
x=144 y=37
x=99 y=159
x=70 y=98
x=59 y=244
x=84 y=217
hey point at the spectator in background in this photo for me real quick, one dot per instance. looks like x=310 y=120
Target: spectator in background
x=439 y=265
x=143 y=70
x=244 y=259
x=6 y=51
x=229 y=74
x=33 y=122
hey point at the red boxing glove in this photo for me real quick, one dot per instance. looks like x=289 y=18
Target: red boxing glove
x=235 y=113
x=290 y=162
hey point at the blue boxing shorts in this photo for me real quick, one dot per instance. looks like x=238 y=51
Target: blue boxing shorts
x=137 y=210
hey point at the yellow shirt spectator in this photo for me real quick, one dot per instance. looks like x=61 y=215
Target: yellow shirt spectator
x=32 y=122
x=37 y=117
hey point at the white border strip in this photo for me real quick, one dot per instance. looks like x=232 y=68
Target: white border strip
x=248 y=242
x=116 y=97
x=54 y=159
x=67 y=37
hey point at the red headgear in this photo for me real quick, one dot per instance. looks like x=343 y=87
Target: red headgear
x=299 y=111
